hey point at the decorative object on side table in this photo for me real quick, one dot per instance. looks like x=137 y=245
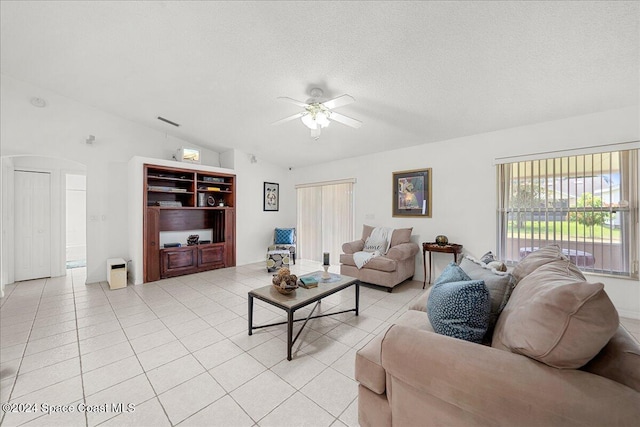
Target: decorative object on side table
x=193 y=239
x=271 y=200
x=284 y=281
x=442 y=240
x=449 y=248
x=412 y=193
x=325 y=266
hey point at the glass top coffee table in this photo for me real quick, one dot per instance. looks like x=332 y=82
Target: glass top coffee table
x=300 y=298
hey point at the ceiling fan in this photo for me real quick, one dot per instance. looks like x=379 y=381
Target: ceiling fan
x=318 y=113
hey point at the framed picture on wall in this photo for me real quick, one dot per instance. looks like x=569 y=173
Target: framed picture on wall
x=412 y=193
x=271 y=196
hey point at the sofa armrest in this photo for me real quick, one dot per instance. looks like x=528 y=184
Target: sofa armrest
x=353 y=247
x=403 y=251
x=473 y=382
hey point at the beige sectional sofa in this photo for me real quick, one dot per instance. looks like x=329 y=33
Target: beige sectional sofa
x=388 y=270
x=557 y=357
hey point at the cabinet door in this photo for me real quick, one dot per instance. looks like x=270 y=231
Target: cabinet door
x=177 y=261
x=152 y=245
x=211 y=256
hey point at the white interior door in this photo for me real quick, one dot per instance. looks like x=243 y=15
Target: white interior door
x=32 y=225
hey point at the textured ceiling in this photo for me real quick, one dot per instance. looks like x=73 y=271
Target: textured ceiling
x=419 y=71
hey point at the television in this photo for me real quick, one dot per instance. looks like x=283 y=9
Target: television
x=189 y=155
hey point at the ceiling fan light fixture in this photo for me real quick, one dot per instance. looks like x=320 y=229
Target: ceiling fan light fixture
x=316 y=116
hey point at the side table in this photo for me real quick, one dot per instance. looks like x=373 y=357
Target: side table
x=430 y=247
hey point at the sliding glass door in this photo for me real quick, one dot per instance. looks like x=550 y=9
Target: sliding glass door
x=325 y=219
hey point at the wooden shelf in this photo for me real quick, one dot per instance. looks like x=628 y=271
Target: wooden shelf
x=167 y=262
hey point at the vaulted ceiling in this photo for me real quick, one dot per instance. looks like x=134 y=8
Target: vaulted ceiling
x=420 y=71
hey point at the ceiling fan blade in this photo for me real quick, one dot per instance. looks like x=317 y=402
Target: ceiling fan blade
x=288 y=119
x=293 y=101
x=339 y=101
x=341 y=118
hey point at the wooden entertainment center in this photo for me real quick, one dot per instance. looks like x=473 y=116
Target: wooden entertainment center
x=184 y=200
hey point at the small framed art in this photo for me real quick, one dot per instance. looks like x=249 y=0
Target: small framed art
x=271 y=196
x=412 y=193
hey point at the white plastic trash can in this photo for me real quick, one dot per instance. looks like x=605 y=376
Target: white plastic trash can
x=116 y=273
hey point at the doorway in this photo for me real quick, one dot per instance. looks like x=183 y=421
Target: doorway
x=76 y=221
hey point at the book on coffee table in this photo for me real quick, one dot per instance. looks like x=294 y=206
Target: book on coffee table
x=308 y=282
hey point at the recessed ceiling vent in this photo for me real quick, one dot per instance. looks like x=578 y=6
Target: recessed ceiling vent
x=168 y=121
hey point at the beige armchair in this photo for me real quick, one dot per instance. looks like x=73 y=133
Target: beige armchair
x=388 y=270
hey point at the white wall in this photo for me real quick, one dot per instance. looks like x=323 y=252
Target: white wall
x=255 y=226
x=60 y=131
x=464 y=184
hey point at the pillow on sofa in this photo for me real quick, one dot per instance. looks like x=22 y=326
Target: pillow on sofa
x=535 y=259
x=499 y=285
x=452 y=273
x=556 y=318
x=460 y=309
x=488 y=257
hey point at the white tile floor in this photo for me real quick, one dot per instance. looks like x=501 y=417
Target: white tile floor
x=178 y=351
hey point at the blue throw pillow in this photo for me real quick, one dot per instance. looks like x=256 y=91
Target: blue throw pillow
x=460 y=309
x=452 y=273
x=284 y=236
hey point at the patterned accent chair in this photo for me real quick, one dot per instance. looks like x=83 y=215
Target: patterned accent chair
x=284 y=239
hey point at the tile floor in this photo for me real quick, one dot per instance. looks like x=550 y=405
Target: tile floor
x=178 y=352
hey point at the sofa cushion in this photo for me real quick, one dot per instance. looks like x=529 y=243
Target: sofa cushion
x=452 y=273
x=499 y=284
x=555 y=318
x=619 y=360
x=420 y=303
x=460 y=309
x=539 y=258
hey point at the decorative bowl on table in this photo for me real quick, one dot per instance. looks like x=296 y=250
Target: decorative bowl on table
x=284 y=281
x=442 y=240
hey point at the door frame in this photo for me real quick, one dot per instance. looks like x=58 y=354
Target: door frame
x=58 y=216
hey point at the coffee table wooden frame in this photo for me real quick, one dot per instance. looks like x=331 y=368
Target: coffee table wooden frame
x=315 y=295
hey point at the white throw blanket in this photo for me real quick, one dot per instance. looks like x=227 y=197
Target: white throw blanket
x=377 y=244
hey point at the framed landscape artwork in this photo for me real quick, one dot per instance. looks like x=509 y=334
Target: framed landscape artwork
x=271 y=196
x=412 y=193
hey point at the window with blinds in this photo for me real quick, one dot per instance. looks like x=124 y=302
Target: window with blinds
x=587 y=204
x=325 y=219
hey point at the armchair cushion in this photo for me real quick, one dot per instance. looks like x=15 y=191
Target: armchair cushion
x=402 y=251
x=284 y=236
x=350 y=248
x=400 y=235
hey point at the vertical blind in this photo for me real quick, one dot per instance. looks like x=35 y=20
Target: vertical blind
x=587 y=204
x=325 y=219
